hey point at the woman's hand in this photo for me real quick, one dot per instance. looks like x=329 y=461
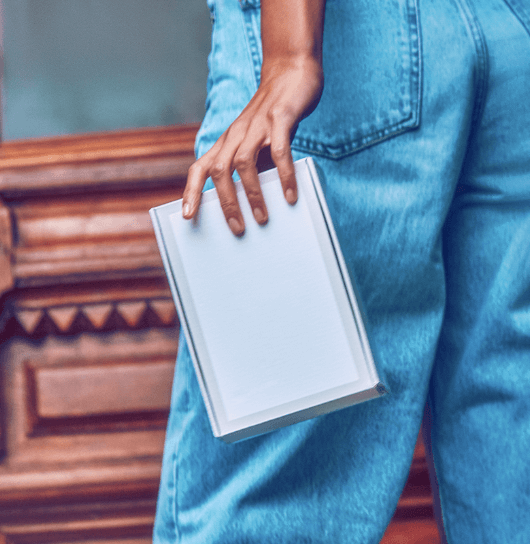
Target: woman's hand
x=289 y=91
x=290 y=88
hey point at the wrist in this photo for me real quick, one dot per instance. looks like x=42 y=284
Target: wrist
x=302 y=63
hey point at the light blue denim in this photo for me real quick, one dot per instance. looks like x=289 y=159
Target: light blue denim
x=423 y=135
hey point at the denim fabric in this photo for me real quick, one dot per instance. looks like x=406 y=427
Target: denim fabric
x=422 y=135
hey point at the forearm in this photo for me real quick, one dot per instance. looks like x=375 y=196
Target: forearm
x=291 y=30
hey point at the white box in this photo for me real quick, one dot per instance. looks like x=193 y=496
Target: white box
x=272 y=321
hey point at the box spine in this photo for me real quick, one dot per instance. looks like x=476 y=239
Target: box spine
x=182 y=318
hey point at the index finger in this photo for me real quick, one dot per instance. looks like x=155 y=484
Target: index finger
x=198 y=173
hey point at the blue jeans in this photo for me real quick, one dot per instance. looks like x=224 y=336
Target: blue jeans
x=423 y=135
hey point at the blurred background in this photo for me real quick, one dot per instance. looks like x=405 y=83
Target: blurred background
x=73 y=66
x=100 y=105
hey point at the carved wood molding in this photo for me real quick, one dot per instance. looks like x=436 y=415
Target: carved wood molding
x=80 y=485
x=90 y=161
x=91 y=307
x=74 y=217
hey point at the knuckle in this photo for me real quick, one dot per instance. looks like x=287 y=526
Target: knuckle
x=253 y=194
x=276 y=113
x=195 y=168
x=281 y=114
x=244 y=161
x=235 y=128
x=219 y=169
x=280 y=150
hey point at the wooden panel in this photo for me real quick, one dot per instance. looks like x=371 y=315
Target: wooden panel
x=75 y=531
x=85 y=224
x=71 y=397
x=123 y=522
x=60 y=454
x=129 y=479
x=79 y=239
x=85 y=390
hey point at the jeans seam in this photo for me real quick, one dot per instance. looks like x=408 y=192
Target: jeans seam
x=441 y=493
x=210 y=77
x=482 y=62
x=432 y=463
x=177 y=456
x=416 y=51
x=253 y=43
x=175 y=499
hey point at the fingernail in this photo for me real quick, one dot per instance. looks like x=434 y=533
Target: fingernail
x=235 y=226
x=258 y=215
x=290 y=196
x=186 y=209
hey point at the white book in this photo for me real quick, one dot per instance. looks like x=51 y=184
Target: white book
x=272 y=320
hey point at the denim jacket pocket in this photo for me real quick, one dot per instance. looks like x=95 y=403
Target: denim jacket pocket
x=372 y=71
